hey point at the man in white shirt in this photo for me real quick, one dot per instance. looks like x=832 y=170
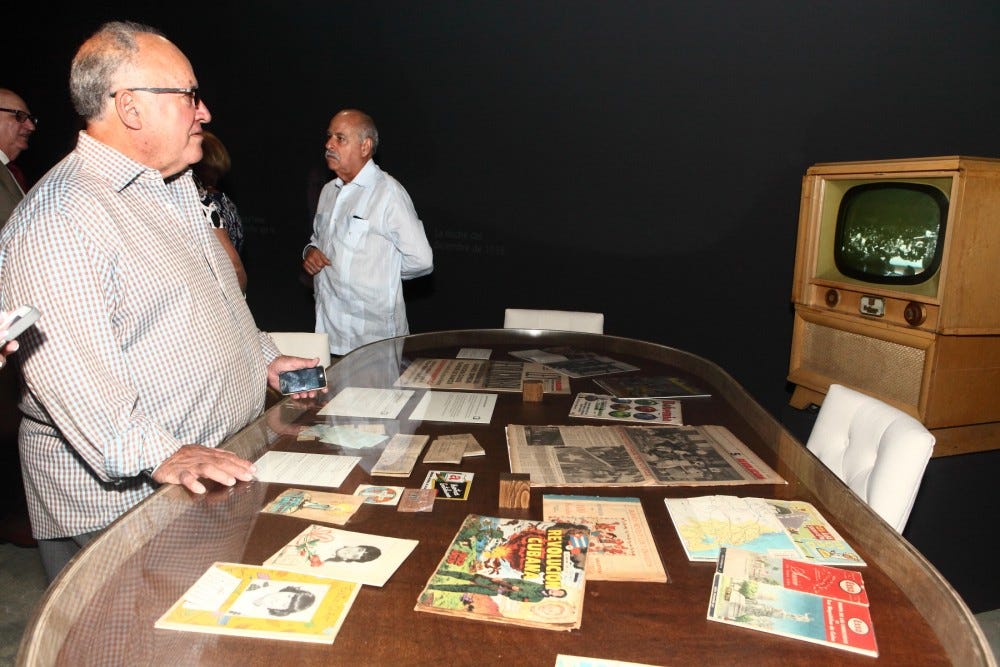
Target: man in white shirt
x=366 y=240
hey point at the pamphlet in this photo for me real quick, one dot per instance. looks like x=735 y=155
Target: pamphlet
x=791 y=599
x=255 y=601
x=705 y=524
x=646 y=410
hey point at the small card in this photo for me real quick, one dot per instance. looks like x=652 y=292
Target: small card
x=379 y=495
x=315 y=505
x=450 y=484
x=417 y=500
x=444 y=450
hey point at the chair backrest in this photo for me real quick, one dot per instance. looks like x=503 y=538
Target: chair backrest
x=559 y=320
x=879 y=451
x=303 y=344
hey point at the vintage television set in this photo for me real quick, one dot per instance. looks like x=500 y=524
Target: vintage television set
x=896 y=291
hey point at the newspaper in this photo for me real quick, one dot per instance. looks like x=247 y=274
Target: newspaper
x=634 y=456
x=480 y=375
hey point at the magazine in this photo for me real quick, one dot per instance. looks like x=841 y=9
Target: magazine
x=650 y=386
x=779 y=528
x=621 y=545
x=480 y=375
x=340 y=554
x=315 y=505
x=515 y=571
x=634 y=456
x=744 y=594
x=574 y=363
x=646 y=410
x=255 y=601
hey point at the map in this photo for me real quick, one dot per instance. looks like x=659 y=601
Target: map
x=705 y=524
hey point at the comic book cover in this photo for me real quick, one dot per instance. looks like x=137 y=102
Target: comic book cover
x=516 y=571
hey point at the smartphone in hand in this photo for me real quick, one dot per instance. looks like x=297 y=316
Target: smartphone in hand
x=302 y=379
x=19 y=320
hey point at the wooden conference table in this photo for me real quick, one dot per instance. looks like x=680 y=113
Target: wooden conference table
x=102 y=608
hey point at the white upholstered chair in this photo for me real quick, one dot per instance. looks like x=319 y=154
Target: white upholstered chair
x=879 y=451
x=559 y=320
x=303 y=344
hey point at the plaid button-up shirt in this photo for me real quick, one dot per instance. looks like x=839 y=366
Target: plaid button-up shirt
x=145 y=341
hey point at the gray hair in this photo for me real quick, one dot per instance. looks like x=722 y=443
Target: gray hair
x=98 y=60
x=366 y=128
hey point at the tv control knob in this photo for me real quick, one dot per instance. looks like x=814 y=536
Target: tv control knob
x=832 y=297
x=914 y=314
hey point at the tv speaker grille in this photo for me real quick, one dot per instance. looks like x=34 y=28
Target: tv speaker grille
x=882 y=368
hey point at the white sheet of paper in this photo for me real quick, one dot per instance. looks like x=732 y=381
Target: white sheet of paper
x=474 y=353
x=326 y=470
x=367 y=402
x=455 y=406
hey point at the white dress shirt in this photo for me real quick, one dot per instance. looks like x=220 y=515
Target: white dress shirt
x=370 y=232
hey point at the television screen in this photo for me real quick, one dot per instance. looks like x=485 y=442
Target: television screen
x=890 y=232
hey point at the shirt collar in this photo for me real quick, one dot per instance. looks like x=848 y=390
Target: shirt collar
x=117 y=168
x=3 y=157
x=364 y=178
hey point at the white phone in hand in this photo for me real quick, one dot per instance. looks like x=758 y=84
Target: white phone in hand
x=19 y=320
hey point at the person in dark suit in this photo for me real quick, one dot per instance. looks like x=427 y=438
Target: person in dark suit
x=17 y=124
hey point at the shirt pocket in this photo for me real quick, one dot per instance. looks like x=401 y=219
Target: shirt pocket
x=356 y=231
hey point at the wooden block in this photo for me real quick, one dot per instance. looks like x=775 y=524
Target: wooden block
x=533 y=391
x=515 y=490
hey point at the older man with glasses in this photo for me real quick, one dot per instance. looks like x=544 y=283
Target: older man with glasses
x=146 y=357
x=16 y=127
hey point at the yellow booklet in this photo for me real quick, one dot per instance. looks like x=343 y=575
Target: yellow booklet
x=257 y=601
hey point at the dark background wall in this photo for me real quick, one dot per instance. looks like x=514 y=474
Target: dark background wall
x=642 y=159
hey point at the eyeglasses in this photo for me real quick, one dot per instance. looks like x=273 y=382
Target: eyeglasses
x=22 y=115
x=191 y=93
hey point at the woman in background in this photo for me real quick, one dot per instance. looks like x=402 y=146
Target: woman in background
x=219 y=208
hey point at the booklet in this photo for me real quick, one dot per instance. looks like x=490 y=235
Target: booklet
x=341 y=554
x=649 y=386
x=621 y=544
x=814 y=603
x=255 y=601
x=515 y=571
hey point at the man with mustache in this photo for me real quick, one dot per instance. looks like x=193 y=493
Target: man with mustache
x=366 y=240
